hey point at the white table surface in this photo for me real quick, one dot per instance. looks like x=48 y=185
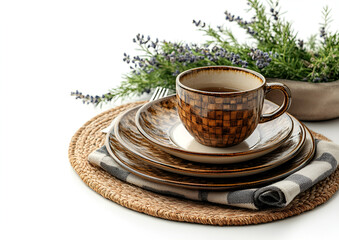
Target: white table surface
x=50 y=48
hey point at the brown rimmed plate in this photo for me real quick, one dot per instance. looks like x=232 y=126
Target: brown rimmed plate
x=130 y=138
x=158 y=122
x=138 y=167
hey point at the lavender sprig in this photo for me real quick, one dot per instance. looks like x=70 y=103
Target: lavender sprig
x=87 y=99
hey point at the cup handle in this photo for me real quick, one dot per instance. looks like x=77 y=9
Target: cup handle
x=285 y=105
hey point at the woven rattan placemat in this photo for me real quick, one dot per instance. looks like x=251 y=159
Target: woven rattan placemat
x=89 y=137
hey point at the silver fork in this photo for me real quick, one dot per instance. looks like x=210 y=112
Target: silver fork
x=159 y=92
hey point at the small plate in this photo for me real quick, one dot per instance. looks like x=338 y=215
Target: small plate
x=159 y=123
x=130 y=138
x=138 y=167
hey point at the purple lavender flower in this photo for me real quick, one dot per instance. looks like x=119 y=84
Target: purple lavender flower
x=262 y=59
x=301 y=43
x=323 y=34
x=86 y=99
x=229 y=17
x=199 y=23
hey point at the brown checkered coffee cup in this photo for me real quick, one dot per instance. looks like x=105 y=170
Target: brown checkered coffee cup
x=218 y=117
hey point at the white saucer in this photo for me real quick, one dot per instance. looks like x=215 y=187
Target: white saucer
x=183 y=139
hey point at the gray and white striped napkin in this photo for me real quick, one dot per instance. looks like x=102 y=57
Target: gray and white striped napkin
x=278 y=194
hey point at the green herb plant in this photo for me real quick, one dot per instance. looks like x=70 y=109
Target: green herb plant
x=275 y=51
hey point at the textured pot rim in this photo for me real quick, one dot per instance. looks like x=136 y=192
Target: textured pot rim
x=311 y=101
x=311 y=85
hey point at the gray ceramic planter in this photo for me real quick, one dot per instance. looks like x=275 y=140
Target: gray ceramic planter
x=310 y=101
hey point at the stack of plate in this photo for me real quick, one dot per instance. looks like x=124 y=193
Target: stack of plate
x=150 y=141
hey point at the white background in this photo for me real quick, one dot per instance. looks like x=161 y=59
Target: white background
x=50 y=48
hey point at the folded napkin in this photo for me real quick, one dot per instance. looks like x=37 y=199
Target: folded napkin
x=276 y=195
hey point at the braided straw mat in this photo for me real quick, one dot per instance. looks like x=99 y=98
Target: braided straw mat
x=89 y=137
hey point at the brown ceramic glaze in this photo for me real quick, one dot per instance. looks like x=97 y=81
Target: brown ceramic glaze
x=222 y=119
x=156 y=119
x=128 y=136
x=138 y=167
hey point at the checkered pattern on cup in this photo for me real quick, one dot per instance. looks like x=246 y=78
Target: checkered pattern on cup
x=222 y=119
